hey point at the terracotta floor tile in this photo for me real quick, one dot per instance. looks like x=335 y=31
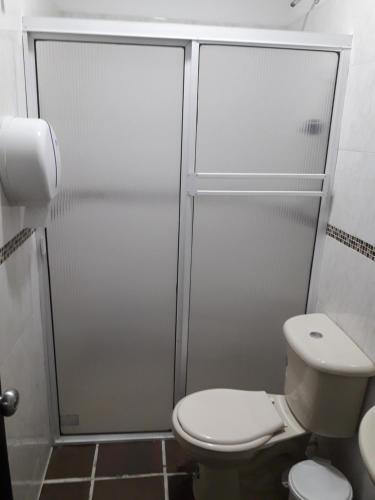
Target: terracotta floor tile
x=150 y=488
x=66 y=491
x=71 y=461
x=138 y=457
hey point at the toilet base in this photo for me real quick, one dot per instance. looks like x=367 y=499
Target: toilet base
x=259 y=477
x=216 y=483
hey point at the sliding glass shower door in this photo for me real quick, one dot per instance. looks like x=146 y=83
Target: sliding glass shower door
x=262 y=131
x=263 y=125
x=113 y=236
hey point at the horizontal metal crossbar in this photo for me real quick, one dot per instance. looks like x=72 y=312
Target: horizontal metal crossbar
x=249 y=175
x=195 y=191
x=219 y=192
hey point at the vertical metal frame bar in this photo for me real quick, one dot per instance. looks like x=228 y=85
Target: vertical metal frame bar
x=331 y=161
x=186 y=215
x=29 y=60
x=31 y=89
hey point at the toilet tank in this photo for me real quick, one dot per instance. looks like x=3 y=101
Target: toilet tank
x=326 y=376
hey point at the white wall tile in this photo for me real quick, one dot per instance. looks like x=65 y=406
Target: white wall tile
x=16 y=305
x=331 y=16
x=358 y=125
x=347 y=291
x=353 y=207
x=362 y=14
x=270 y=13
x=355 y=17
x=11 y=220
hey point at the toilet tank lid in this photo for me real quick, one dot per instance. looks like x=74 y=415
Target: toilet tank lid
x=324 y=346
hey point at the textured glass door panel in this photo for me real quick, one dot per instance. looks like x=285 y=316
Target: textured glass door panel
x=264 y=110
x=114 y=232
x=250 y=272
x=260 y=110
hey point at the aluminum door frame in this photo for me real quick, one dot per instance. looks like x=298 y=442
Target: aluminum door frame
x=190 y=37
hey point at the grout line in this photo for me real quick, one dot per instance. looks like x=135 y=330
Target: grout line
x=113 y=478
x=67 y=480
x=163 y=454
x=91 y=492
x=166 y=488
x=45 y=472
x=126 y=476
x=111 y=438
x=165 y=475
x=362 y=151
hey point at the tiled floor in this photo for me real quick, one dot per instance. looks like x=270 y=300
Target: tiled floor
x=138 y=470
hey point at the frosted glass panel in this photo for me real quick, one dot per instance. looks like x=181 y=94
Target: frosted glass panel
x=268 y=111
x=114 y=231
x=250 y=272
x=264 y=110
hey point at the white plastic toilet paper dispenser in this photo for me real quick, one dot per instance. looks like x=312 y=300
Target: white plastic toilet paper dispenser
x=29 y=166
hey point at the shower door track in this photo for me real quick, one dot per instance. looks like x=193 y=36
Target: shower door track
x=190 y=37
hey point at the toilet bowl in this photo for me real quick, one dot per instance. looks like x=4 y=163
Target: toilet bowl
x=325 y=382
x=212 y=428
x=221 y=426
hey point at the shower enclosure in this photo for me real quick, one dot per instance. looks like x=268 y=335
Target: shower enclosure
x=190 y=223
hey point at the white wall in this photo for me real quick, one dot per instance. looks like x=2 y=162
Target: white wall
x=22 y=357
x=260 y=13
x=347 y=288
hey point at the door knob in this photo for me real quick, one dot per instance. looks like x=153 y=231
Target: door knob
x=9 y=402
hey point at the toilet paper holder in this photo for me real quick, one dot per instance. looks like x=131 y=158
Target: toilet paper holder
x=30 y=166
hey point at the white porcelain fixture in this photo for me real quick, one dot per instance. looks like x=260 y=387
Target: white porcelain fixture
x=367 y=441
x=326 y=376
x=315 y=480
x=325 y=382
x=29 y=166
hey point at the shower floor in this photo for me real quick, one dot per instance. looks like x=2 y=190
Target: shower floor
x=136 y=470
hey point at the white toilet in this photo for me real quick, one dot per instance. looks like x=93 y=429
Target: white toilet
x=325 y=382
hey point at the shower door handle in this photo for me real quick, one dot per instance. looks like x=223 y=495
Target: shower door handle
x=9 y=402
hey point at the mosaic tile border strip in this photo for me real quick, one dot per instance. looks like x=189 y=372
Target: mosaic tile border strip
x=352 y=242
x=12 y=245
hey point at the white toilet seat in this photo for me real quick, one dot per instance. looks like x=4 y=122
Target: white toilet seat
x=227 y=420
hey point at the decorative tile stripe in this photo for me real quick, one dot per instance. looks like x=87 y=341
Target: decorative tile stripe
x=351 y=241
x=12 y=245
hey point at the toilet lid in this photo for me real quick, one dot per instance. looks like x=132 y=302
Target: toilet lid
x=226 y=416
x=314 y=480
